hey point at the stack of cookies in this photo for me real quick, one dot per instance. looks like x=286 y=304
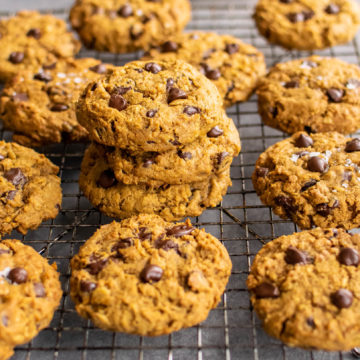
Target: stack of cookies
x=162 y=141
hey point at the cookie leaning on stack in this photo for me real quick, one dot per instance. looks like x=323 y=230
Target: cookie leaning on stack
x=159 y=117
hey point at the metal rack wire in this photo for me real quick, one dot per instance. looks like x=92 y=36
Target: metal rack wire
x=241 y=222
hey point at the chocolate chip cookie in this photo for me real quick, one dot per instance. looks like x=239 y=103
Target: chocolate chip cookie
x=40 y=107
x=30 y=190
x=121 y=26
x=232 y=65
x=314 y=94
x=150 y=106
x=172 y=202
x=312 y=179
x=30 y=292
x=149 y=277
x=305 y=289
x=307 y=24
x=33 y=41
x=209 y=155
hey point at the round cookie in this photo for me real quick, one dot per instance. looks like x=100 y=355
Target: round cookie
x=191 y=163
x=314 y=94
x=122 y=26
x=172 y=202
x=232 y=65
x=148 y=277
x=40 y=108
x=312 y=179
x=32 y=41
x=307 y=24
x=30 y=190
x=30 y=292
x=305 y=289
x=150 y=106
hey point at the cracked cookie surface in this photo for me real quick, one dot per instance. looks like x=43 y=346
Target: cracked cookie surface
x=30 y=292
x=122 y=26
x=150 y=106
x=29 y=187
x=314 y=94
x=307 y=24
x=312 y=179
x=172 y=202
x=305 y=289
x=32 y=41
x=148 y=277
x=232 y=65
x=40 y=108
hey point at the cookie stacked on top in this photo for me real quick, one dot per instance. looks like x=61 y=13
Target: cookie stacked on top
x=162 y=141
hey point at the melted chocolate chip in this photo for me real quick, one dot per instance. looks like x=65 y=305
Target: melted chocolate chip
x=191 y=110
x=180 y=230
x=308 y=185
x=43 y=76
x=87 y=286
x=15 y=176
x=16 y=57
x=292 y=84
x=266 y=290
x=96 y=265
x=353 y=145
x=11 y=195
x=169 y=46
x=317 y=164
x=332 y=9
x=300 y=16
x=176 y=94
x=143 y=234
x=59 y=107
x=185 y=155
x=121 y=90
x=125 y=11
x=349 y=257
x=49 y=66
x=274 y=111
x=355 y=352
x=324 y=209
x=262 y=171
x=151 y=113
x=153 y=67
x=122 y=244
x=304 y=141
x=232 y=48
x=35 y=33
x=167 y=245
x=151 y=273
x=286 y=203
x=335 y=95
x=118 y=102
x=169 y=84
x=99 y=68
x=221 y=156
x=295 y=256
x=18 y=275
x=148 y=162
x=175 y=142
x=215 y=132
x=310 y=322
x=213 y=74
x=342 y=298
x=20 y=97
x=107 y=179
x=39 y=290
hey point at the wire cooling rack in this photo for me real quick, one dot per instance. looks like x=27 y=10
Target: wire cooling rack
x=241 y=222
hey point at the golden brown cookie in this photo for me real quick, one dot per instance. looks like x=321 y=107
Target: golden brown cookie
x=149 y=277
x=30 y=292
x=314 y=94
x=305 y=289
x=172 y=202
x=307 y=24
x=121 y=26
x=233 y=66
x=30 y=190
x=40 y=108
x=33 y=41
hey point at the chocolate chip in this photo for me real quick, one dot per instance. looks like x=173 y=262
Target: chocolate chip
x=286 y=203
x=107 y=179
x=136 y=32
x=274 y=112
x=99 y=68
x=308 y=185
x=118 y=102
x=215 y=132
x=175 y=142
x=262 y=171
x=96 y=265
x=51 y=66
x=151 y=273
x=266 y=290
x=176 y=94
x=35 y=33
x=353 y=145
x=59 y=107
x=296 y=17
x=39 y=290
x=213 y=74
x=310 y=322
x=11 y=195
x=185 y=155
x=143 y=234
x=43 y=76
x=168 y=245
x=232 y=48
x=308 y=15
x=87 y=286
x=121 y=90
x=323 y=209
x=148 y=162
x=151 y=113
x=169 y=84
x=122 y=244
x=335 y=95
x=332 y=9
x=342 y=298
x=349 y=257
x=292 y=84
x=20 y=97
x=153 y=67
x=169 y=46
x=15 y=176
x=335 y=232
x=18 y=275
x=317 y=164
x=191 y=110
x=180 y=230
x=355 y=352
x=16 y=57
x=304 y=141
x=146 y=18
x=221 y=156
x=295 y=256
x=125 y=11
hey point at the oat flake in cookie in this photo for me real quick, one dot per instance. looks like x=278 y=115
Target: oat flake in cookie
x=305 y=289
x=149 y=277
x=314 y=94
x=307 y=24
x=122 y=26
x=312 y=179
x=30 y=292
x=29 y=187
